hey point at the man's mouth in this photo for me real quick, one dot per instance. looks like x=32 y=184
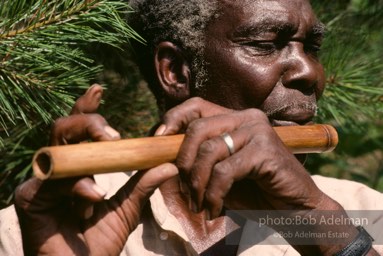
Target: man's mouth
x=293 y=115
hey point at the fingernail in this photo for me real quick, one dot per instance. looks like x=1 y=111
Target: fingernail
x=112 y=132
x=90 y=88
x=98 y=95
x=160 y=130
x=99 y=190
x=88 y=212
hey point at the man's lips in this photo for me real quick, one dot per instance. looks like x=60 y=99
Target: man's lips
x=293 y=116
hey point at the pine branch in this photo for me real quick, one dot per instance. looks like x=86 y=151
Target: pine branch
x=354 y=71
x=44 y=56
x=47 y=59
x=353 y=98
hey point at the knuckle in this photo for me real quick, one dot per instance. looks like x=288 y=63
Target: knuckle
x=265 y=137
x=195 y=101
x=183 y=164
x=96 y=118
x=94 y=127
x=212 y=196
x=196 y=127
x=223 y=174
x=57 y=124
x=171 y=115
x=19 y=197
x=141 y=191
x=221 y=171
x=175 y=119
x=23 y=195
x=82 y=184
x=207 y=147
x=77 y=104
x=178 y=111
x=196 y=184
x=256 y=114
x=195 y=105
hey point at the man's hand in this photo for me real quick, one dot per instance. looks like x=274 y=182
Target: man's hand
x=70 y=217
x=261 y=174
x=261 y=164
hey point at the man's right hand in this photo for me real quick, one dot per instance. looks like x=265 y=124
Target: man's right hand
x=70 y=216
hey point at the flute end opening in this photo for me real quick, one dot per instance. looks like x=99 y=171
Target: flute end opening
x=42 y=165
x=332 y=136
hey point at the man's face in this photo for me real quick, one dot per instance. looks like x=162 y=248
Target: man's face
x=263 y=54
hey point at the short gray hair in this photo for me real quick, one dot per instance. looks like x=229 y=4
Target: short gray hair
x=182 y=22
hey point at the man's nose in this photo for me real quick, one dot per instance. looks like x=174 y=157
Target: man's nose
x=302 y=71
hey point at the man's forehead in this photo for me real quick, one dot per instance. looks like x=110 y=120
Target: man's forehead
x=267 y=6
x=268 y=13
x=246 y=2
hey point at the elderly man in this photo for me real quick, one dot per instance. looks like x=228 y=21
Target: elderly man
x=216 y=67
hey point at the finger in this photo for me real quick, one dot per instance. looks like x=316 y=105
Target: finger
x=76 y=128
x=86 y=192
x=206 y=128
x=87 y=188
x=35 y=195
x=209 y=153
x=237 y=166
x=253 y=153
x=135 y=194
x=223 y=176
x=178 y=118
x=230 y=169
x=84 y=209
x=89 y=102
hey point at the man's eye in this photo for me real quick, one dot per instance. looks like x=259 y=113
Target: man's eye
x=262 y=46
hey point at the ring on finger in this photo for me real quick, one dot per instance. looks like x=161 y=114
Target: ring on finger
x=229 y=142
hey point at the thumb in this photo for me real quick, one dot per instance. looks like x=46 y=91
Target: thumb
x=135 y=194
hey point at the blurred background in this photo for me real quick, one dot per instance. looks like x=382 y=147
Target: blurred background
x=51 y=51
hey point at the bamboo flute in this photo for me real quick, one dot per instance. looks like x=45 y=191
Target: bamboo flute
x=142 y=153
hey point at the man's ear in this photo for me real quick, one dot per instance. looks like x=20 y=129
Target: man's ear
x=173 y=71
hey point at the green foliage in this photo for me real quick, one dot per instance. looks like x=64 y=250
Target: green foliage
x=48 y=56
x=42 y=46
x=353 y=100
x=353 y=66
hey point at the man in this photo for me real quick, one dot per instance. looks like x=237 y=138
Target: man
x=252 y=64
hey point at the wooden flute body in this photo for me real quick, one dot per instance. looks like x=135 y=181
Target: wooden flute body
x=142 y=153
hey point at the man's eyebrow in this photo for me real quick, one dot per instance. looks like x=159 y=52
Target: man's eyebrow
x=319 y=29
x=254 y=29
